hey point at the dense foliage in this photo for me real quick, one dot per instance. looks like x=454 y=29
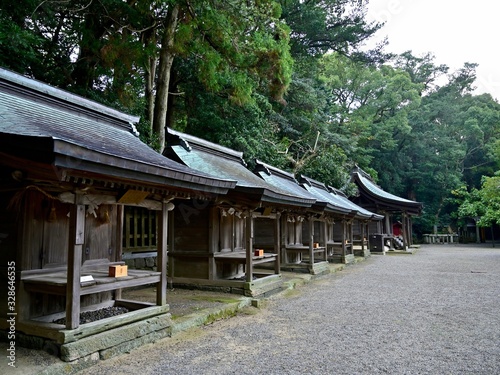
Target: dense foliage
x=284 y=81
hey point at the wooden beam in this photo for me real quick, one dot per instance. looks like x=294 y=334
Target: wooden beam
x=133 y=197
x=75 y=245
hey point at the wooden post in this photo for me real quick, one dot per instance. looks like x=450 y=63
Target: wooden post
x=388 y=229
x=171 y=245
x=325 y=240
x=410 y=229
x=311 y=240
x=363 y=235
x=277 y=243
x=344 y=238
x=161 y=289
x=213 y=240
x=75 y=245
x=404 y=229
x=284 y=239
x=351 y=235
x=249 y=247
x=119 y=241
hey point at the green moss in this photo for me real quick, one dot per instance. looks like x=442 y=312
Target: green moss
x=215 y=299
x=220 y=315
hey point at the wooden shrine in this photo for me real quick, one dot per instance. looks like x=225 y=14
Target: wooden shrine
x=372 y=197
x=305 y=234
x=68 y=167
x=232 y=242
x=360 y=224
x=339 y=230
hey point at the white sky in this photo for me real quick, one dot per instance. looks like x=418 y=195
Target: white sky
x=454 y=31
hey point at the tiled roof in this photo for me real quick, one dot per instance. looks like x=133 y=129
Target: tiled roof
x=361 y=212
x=283 y=180
x=375 y=193
x=81 y=130
x=225 y=163
x=320 y=191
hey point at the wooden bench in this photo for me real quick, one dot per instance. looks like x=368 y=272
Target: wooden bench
x=299 y=251
x=54 y=281
x=240 y=257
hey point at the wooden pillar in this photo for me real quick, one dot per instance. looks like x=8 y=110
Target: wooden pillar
x=344 y=238
x=249 y=247
x=75 y=245
x=404 y=229
x=363 y=227
x=119 y=241
x=325 y=240
x=213 y=240
x=409 y=230
x=311 y=240
x=388 y=229
x=351 y=234
x=277 y=243
x=171 y=245
x=161 y=289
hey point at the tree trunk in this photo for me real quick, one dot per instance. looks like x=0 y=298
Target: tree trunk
x=164 y=68
x=149 y=39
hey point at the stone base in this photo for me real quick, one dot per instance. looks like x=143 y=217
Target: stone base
x=344 y=259
x=262 y=285
x=318 y=268
x=119 y=340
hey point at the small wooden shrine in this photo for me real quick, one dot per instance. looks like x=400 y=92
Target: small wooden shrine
x=340 y=232
x=232 y=242
x=372 y=197
x=68 y=167
x=304 y=233
x=360 y=223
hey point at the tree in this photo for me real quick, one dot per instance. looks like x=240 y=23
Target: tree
x=483 y=203
x=367 y=107
x=320 y=26
x=122 y=52
x=451 y=143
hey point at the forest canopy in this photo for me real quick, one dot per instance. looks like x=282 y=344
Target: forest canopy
x=289 y=82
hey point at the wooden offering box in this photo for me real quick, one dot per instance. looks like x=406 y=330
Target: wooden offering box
x=118 y=271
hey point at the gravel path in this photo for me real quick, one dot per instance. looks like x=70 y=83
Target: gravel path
x=433 y=312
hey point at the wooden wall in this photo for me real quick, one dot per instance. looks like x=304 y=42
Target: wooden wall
x=42 y=224
x=189 y=241
x=264 y=233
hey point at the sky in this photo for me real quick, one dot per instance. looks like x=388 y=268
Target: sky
x=454 y=31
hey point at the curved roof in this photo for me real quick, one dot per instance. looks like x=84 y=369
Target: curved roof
x=282 y=180
x=320 y=191
x=208 y=157
x=375 y=196
x=361 y=212
x=83 y=137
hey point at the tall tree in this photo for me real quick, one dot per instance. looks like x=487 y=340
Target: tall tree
x=320 y=26
x=451 y=143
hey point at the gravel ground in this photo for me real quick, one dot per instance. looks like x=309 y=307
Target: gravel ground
x=433 y=312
